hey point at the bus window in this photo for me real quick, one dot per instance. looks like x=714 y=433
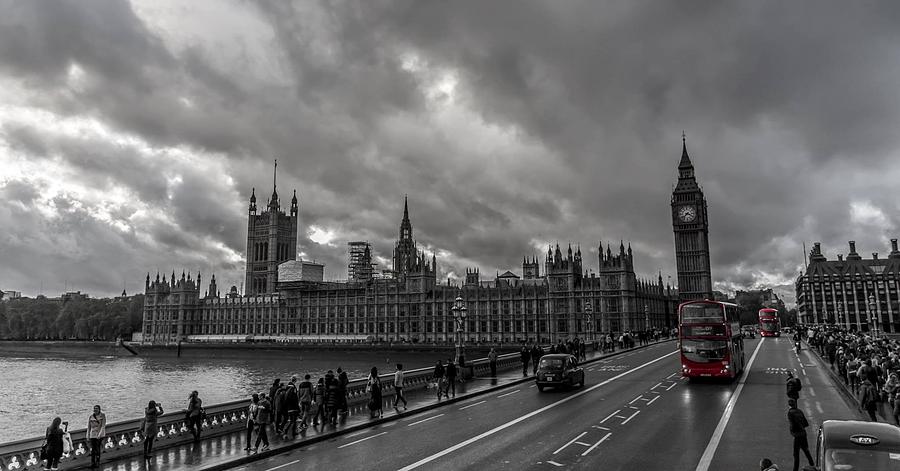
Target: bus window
x=701 y=312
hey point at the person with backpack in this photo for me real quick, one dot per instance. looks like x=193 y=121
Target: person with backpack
x=793 y=386
x=798 y=423
x=868 y=398
x=194 y=414
x=305 y=394
x=373 y=387
x=263 y=418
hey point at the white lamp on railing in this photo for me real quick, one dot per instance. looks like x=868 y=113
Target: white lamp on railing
x=459 y=315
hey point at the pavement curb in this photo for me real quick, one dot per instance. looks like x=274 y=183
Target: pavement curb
x=842 y=387
x=337 y=433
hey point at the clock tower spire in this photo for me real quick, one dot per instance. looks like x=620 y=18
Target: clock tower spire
x=691 y=226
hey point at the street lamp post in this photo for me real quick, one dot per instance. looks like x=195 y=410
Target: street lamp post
x=459 y=315
x=589 y=320
x=873 y=316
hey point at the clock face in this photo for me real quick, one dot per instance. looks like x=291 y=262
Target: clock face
x=687 y=213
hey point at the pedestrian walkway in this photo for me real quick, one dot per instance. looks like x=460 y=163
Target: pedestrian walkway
x=228 y=450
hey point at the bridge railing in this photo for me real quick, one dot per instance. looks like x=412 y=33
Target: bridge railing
x=123 y=438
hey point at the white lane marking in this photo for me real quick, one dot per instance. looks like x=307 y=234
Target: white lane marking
x=507 y=394
x=601 y=428
x=710 y=451
x=636 y=399
x=803 y=370
x=632 y=416
x=632 y=407
x=425 y=420
x=673 y=374
x=611 y=416
x=672 y=386
x=651 y=400
x=554 y=463
x=362 y=440
x=283 y=465
x=582 y=444
x=819 y=407
x=471 y=405
x=812 y=392
x=429 y=459
x=657 y=385
x=533 y=385
x=570 y=442
x=597 y=444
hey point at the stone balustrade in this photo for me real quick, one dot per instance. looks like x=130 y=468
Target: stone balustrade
x=123 y=438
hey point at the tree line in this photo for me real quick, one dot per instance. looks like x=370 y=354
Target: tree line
x=42 y=318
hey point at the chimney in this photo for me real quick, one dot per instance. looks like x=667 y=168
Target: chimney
x=874 y=255
x=852 y=246
x=894 y=245
x=840 y=257
x=817 y=248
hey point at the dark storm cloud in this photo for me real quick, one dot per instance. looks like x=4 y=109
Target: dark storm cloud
x=564 y=125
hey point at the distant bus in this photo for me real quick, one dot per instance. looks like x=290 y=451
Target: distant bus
x=710 y=339
x=769 y=325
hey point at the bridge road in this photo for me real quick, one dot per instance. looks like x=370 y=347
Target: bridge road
x=644 y=416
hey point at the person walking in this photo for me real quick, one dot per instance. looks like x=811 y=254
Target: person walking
x=373 y=387
x=343 y=382
x=868 y=398
x=450 y=381
x=292 y=409
x=279 y=411
x=852 y=378
x=54 y=439
x=194 y=413
x=96 y=430
x=251 y=419
x=438 y=378
x=319 y=397
x=305 y=393
x=798 y=423
x=492 y=360
x=263 y=418
x=536 y=352
x=398 y=386
x=148 y=426
x=793 y=386
x=524 y=356
x=274 y=388
x=331 y=397
x=766 y=464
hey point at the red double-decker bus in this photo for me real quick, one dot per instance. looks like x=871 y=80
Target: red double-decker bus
x=710 y=339
x=769 y=325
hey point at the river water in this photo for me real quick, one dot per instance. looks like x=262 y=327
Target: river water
x=35 y=388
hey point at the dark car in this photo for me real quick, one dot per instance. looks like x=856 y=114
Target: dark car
x=559 y=369
x=854 y=444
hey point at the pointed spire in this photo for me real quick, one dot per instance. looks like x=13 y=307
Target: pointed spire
x=294 y=199
x=406 y=207
x=275 y=178
x=685 y=159
x=621 y=246
x=253 y=195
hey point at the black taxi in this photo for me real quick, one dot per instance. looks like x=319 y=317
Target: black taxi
x=844 y=445
x=559 y=369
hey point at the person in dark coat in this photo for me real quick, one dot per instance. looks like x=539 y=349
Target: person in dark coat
x=793 y=386
x=524 y=356
x=292 y=409
x=438 y=378
x=536 y=353
x=331 y=396
x=194 y=414
x=343 y=382
x=373 y=386
x=263 y=418
x=319 y=398
x=868 y=399
x=450 y=381
x=54 y=438
x=798 y=423
x=278 y=407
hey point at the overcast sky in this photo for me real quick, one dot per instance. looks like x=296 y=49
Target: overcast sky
x=132 y=134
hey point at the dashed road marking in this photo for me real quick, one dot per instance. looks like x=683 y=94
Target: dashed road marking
x=507 y=394
x=819 y=407
x=651 y=400
x=425 y=420
x=601 y=428
x=362 y=440
x=636 y=399
x=632 y=416
x=656 y=386
x=554 y=463
x=472 y=405
x=283 y=465
x=611 y=416
x=570 y=442
x=812 y=392
x=597 y=444
x=672 y=386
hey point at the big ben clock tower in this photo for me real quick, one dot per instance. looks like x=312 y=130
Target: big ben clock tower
x=691 y=226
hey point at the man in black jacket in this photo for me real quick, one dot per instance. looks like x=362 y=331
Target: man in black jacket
x=793 y=386
x=525 y=355
x=798 y=423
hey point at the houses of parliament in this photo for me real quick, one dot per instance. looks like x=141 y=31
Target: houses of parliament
x=553 y=299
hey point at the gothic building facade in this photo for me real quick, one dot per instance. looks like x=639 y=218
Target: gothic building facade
x=691 y=226
x=561 y=303
x=860 y=294
x=271 y=240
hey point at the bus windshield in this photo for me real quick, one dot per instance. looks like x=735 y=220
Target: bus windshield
x=701 y=312
x=769 y=325
x=704 y=351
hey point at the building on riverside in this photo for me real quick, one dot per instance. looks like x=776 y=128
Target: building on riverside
x=855 y=292
x=563 y=300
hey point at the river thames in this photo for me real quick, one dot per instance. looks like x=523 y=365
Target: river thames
x=35 y=388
